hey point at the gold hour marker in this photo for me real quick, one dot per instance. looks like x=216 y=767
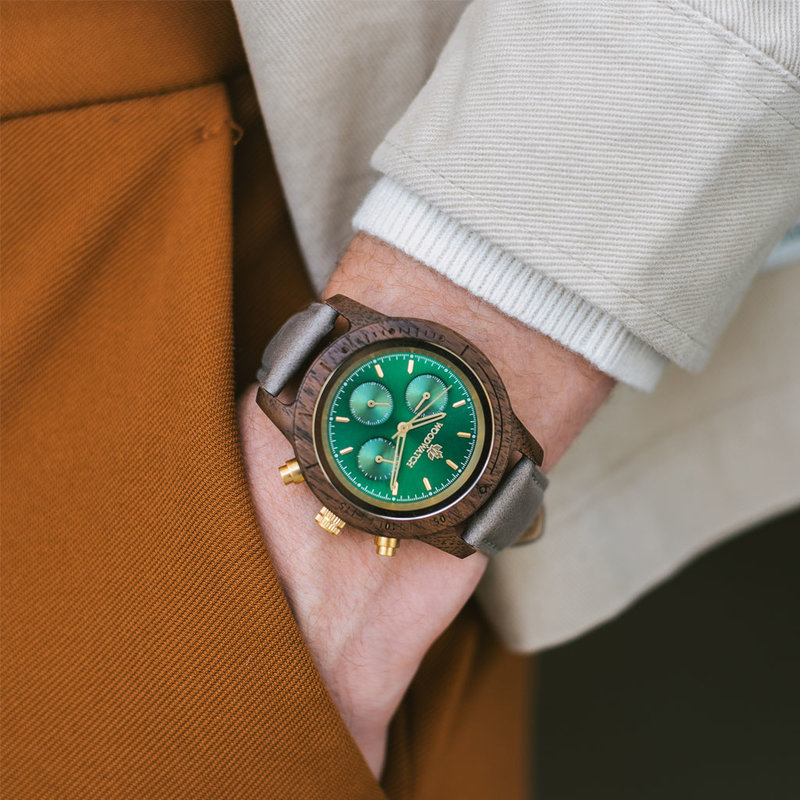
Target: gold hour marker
x=459 y=404
x=345 y=451
x=451 y=464
x=379 y=370
x=427 y=483
x=343 y=419
x=410 y=365
x=464 y=435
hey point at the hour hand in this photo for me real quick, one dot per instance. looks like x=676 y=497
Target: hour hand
x=398 y=455
x=405 y=427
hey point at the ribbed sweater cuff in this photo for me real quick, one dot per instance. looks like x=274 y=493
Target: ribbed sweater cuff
x=406 y=221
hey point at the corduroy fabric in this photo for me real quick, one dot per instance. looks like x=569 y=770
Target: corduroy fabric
x=148 y=650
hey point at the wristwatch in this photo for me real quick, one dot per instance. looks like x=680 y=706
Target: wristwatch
x=403 y=429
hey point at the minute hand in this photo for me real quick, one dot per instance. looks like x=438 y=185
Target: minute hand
x=417 y=423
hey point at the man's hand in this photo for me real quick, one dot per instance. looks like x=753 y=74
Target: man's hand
x=368 y=621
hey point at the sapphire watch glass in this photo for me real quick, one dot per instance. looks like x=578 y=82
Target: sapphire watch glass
x=403 y=429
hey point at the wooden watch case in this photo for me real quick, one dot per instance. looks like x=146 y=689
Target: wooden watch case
x=295 y=419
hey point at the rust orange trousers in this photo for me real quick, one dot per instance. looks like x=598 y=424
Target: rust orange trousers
x=147 y=256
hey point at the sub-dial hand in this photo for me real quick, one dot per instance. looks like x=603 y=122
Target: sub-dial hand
x=425 y=396
x=424 y=408
x=372 y=404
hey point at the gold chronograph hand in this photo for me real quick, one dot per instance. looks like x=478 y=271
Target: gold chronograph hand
x=402 y=431
x=431 y=402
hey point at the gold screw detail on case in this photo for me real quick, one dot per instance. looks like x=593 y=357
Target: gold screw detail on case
x=290 y=472
x=386 y=546
x=329 y=521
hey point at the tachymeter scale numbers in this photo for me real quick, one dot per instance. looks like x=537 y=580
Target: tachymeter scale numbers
x=413 y=466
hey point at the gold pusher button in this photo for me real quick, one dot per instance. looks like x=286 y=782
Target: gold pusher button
x=329 y=521
x=290 y=472
x=386 y=546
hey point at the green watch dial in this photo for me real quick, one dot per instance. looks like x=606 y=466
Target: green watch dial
x=403 y=429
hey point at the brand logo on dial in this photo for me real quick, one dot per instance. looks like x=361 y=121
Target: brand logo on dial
x=426 y=445
x=435 y=451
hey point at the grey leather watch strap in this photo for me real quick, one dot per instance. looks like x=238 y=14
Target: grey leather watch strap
x=510 y=511
x=292 y=345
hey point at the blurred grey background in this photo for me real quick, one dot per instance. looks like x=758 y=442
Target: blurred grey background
x=692 y=694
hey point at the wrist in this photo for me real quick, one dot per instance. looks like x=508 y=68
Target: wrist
x=553 y=391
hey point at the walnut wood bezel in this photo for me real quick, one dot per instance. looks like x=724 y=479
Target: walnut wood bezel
x=368 y=327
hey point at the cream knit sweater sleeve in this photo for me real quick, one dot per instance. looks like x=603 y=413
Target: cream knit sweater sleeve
x=393 y=213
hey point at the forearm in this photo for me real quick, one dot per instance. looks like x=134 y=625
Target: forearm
x=553 y=391
x=368 y=622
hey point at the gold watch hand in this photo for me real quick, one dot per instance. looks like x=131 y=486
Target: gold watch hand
x=372 y=404
x=430 y=403
x=416 y=423
x=401 y=443
x=421 y=411
x=425 y=396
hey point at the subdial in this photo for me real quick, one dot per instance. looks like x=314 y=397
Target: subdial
x=422 y=390
x=375 y=458
x=371 y=403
